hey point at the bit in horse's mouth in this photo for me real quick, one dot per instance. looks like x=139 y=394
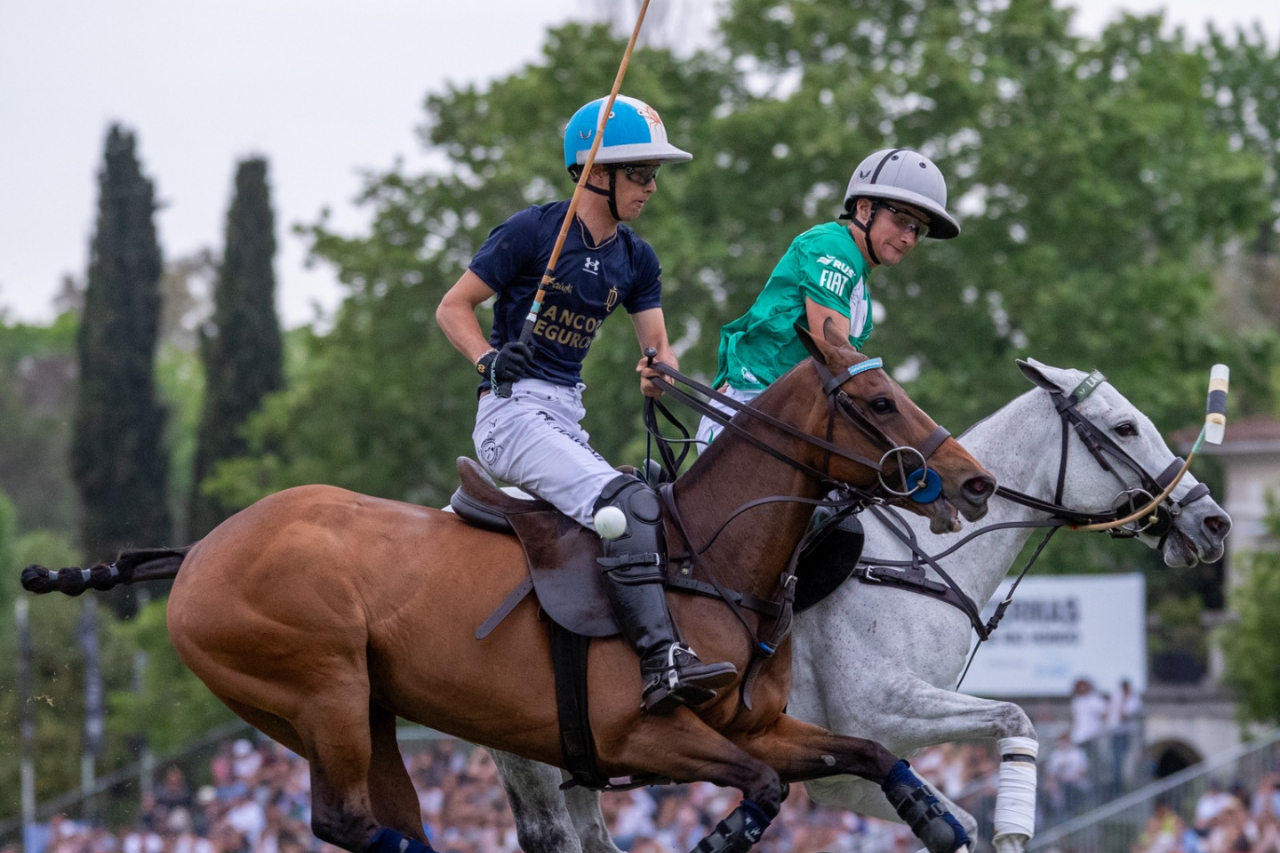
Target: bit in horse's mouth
x=944 y=517
x=1178 y=545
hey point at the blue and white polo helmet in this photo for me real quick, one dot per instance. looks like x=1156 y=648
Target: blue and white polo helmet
x=633 y=133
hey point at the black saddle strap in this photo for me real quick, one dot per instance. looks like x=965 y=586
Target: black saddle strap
x=508 y=604
x=577 y=746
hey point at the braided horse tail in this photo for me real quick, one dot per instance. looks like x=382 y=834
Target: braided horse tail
x=152 y=564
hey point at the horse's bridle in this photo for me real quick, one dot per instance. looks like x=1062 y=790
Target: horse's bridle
x=1100 y=446
x=909 y=574
x=920 y=483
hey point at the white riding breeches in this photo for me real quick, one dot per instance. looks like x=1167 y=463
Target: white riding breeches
x=709 y=429
x=534 y=439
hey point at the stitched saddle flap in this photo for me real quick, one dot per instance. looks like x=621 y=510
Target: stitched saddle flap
x=566 y=577
x=561 y=554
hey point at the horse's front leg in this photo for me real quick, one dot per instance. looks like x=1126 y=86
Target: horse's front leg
x=802 y=751
x=549 y=820
x=537 y=804
x=915 y=714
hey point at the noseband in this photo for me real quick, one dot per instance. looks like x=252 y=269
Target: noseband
x=1101 y=446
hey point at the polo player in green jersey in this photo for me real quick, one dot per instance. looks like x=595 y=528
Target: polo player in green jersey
x=895 y=197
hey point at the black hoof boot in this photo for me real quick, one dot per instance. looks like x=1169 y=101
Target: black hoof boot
x=738 y=832
x=920 y=810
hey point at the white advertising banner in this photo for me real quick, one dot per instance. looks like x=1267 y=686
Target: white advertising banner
x=1060 y=628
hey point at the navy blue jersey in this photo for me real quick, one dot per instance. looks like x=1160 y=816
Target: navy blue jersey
x=589 y=284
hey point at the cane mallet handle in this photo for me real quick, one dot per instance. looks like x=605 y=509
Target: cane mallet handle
x=503 y=389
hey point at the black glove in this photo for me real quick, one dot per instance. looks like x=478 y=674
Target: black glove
x=510 y=363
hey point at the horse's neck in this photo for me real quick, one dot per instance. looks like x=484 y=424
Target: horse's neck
x=1019 y=444
x=754 y=547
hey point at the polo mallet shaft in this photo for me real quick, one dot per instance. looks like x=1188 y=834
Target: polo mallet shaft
x=531 y=319
x=1215 y=424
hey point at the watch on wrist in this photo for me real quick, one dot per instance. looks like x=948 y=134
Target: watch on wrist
x=484 y=364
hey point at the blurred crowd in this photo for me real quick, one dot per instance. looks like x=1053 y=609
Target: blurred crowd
x=257 y=800
x=1223 y=820
x=1098 y=757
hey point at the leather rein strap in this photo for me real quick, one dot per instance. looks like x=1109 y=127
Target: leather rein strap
x=909 y=574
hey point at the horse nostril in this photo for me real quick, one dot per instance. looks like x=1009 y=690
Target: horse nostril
x=979 y=487
x=1218 y=525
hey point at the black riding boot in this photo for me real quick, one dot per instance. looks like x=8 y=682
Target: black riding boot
x=633 y=567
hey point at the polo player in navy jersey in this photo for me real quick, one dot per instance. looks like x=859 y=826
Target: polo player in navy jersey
x=534 y=438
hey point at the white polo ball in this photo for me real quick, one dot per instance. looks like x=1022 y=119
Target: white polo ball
x=610 y=522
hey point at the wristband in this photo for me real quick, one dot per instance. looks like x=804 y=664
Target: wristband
x=484 y=364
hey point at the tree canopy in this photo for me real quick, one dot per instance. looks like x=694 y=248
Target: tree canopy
x=1096 y=181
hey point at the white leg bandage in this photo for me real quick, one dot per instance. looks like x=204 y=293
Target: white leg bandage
x=1016 y=798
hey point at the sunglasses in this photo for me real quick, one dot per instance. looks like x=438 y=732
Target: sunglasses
x=640 y=174
x=907 y=222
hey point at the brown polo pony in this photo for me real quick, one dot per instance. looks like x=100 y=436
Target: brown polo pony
x=320 y=616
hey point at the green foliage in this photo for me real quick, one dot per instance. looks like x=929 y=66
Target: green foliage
x=118 y=458
x=167 y=705
x=241 y=346
x=181 y=387
x=8 y=535
x=1244 y=79
x=1252 y=654
x=36 y=399
x=57 y=695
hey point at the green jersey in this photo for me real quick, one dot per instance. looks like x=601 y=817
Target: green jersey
x=823 y=264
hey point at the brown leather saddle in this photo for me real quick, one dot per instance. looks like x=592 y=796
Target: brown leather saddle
x=561 y=554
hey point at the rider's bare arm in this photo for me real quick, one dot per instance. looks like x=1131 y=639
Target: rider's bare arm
x=819 y=314
x=651 y=331
x=456 y=315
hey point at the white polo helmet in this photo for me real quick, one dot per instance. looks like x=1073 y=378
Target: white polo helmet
x=900 y=174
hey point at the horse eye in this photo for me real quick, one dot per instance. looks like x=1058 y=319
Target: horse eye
x=1126 y=429
x=882 y=406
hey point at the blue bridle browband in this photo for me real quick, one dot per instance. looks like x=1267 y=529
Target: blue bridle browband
x=869 y=364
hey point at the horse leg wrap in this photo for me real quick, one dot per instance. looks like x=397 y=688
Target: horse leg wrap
x=920 y=810
x=387 y=840
x=1016 y=796
x=738 y=832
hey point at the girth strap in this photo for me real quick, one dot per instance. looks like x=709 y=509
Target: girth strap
x=577 y=746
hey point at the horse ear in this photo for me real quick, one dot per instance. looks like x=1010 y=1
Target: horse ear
x=810 y=343
x=1035 y=371
x=830 y=334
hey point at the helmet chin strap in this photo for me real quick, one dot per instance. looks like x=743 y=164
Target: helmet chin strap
x=866 y=229
x=611 y=194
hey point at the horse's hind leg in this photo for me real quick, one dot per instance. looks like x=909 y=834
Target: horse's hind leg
x=395 y=801
x=338 y=730
x=391 y=791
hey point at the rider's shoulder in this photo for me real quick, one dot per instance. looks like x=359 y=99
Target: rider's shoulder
x=830 y=239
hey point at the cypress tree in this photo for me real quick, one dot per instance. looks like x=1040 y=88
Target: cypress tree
x=241 y=345
x=118 y=456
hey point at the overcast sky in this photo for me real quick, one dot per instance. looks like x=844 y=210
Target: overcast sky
x=325 y=89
